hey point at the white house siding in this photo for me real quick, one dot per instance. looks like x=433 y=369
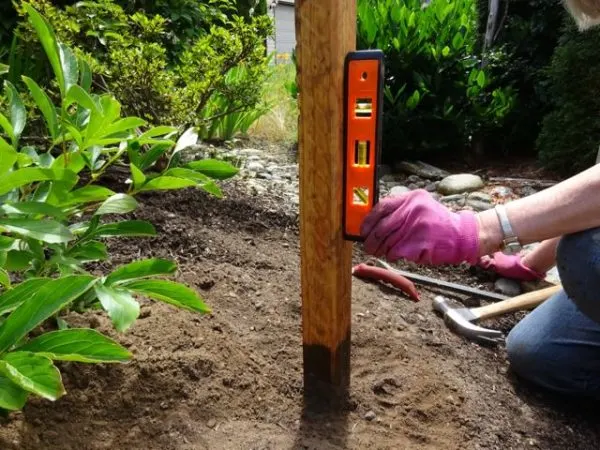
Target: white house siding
x=284 y=39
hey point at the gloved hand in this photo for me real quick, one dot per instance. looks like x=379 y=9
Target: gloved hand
x=416 y=227
x=510 y=266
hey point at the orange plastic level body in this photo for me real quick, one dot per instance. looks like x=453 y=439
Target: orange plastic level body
x=362 y=144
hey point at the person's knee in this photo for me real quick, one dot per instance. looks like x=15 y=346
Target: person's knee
x=578 y=264
x=523 y=351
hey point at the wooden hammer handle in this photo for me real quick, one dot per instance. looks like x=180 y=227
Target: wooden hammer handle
x=525 y=301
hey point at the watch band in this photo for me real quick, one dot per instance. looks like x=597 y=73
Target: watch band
x=510 y=243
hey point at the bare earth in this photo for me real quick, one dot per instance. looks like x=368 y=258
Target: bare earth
x=233 y=380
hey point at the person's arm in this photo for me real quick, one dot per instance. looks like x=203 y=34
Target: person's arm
x=570 y=206
x=542 y=258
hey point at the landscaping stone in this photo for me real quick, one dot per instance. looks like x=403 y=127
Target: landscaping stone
x=459 y=183
x=431 y=187
x=422 y=169
x=458 y=199
x=397 y=190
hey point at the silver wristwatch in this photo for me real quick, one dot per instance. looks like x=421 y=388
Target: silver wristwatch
x=510 y=243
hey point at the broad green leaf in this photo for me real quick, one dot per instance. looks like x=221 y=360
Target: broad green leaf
x=12 y=298
x=33 y=208
x=163 y=183
x=141 y=269
x=6 y=243
x=18 y=114
x=73 y=161
x=78 y=95
x=28 y=175
x=7 y=127
x=34 y=373
x=137 y=175
x=49 y=43
x=45 y=230
x=214 y=168
x=69 y=66
x=89 y=251
x=8 y=157
x=126 y=124
x=481 y=79
x=125 y=228
x=45 y=105
x=121 y=307
x=80 y=345
x=87 y=194
x=204 y=182
x=17 y=260
x=157 y=131
x=151 y=156
x=12 y=397
x=4 y=278
x=117 y=204
x=85 y=75
x=47 y=300
x=169 y=292
x=3 y=69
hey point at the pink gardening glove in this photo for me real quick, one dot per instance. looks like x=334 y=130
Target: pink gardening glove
x=416 y=227
x=509 y=266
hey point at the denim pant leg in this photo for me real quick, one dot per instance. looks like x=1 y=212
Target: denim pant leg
x=557 y=345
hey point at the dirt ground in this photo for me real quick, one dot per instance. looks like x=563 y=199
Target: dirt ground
x=233 y=380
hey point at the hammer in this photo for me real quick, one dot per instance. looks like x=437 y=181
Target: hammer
x=462 y=320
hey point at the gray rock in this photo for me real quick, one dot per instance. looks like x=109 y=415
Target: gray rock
x=552 y=276
x=414 y=179
x=397 y=190
x=390 y=178
x=255 y=166
x=527 y=191
x=421 y=184
x=370 y=416
x=422 y=169
x=507 y=287
x=456 y=198
x=479 y=205
x=431 y=187
x=413 y=186
x=480 y=196
x=463 y=182
x=250 y=152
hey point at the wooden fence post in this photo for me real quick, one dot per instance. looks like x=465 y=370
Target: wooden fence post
x=325 y=33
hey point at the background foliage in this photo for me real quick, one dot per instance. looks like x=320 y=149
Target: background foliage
x=570 y=134
x=438 y=98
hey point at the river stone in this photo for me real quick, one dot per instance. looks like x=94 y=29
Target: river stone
x=255 y=166
x=422 y=169
x=478 y=205
x=431 y=187
x=462 y=182
x=459 y=199
x=397 y=190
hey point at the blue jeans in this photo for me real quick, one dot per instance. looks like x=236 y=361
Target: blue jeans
x=557 y=345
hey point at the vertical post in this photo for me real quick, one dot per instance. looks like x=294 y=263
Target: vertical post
x=325 y=33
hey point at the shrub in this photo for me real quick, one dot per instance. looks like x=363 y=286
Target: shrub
x=570 y=135
x=55 y=217
x=527 y=36
x=437 y=98
x=160 y=73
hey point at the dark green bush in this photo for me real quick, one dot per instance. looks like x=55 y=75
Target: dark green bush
x=527 y=35
x=570 y=134
x=165 y=69
x=437 y=98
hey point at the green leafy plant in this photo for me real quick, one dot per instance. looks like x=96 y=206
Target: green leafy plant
x=570 y=135
x=160 y=71
x=55 y=218
x=437 y=95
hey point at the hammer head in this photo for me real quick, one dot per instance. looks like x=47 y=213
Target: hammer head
x=461 y=321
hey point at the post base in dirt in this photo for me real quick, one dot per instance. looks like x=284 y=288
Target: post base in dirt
x=325 y=32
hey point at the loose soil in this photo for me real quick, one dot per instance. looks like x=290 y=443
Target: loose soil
x=233 y=379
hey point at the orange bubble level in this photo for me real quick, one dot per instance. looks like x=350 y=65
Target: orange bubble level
x=363 y=96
